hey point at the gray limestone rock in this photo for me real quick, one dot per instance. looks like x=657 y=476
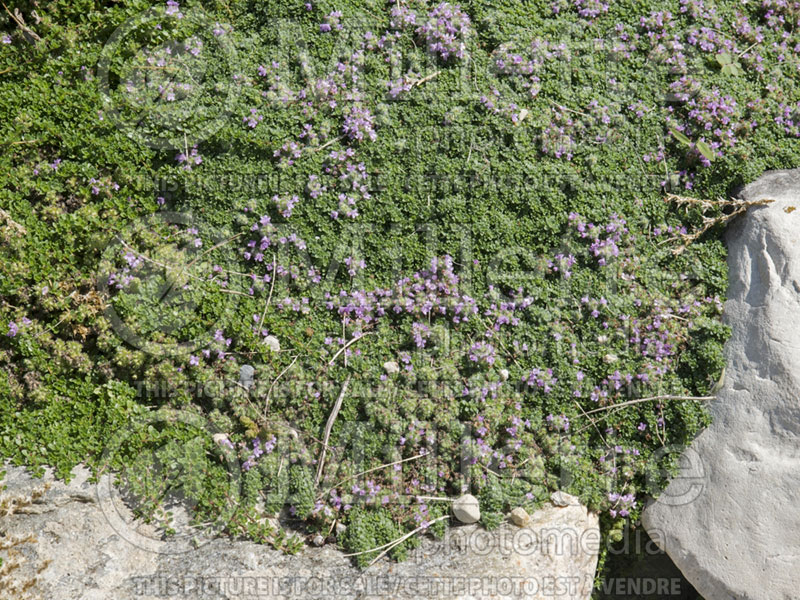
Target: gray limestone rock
x=729 y=520
x=554 y=554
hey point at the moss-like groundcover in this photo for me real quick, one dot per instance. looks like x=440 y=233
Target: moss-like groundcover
x=437 y=233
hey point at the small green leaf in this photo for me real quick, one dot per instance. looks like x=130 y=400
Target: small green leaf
x=724 y=59
x=733 y=69
x=680 y=137
x=705 y=150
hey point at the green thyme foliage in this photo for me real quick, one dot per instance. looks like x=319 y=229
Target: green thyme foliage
x=368 y=530
x=301 y=486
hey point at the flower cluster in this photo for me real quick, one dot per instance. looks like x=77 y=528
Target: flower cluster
x=556 y=140
x=173 y=9
x=505 y=312
x=789 y=118
x=713 y=118
x=288 y=154
x=354 y=265
x=588 y=9
x=524 y=68
x=482 y=352
x=781 y=14
x=253 y=119
x=625 y=42
x=445 y=31
x=401 y=85
x=402 y=16
x=221 y=29
x=189 y=161
x=558 y=422
x=559 y=137
x=562 y=264
x=332 y=22
x=259 y=451
x=656 y=25
x=158 y=82
x=359 y=123
x=351 y=181
x=429 y=293
x=337 y=94
x=604 y=239
x=314 y=187
x=13 y=328
x=103 y=185
x=542 y=379
x=496 y=106
x=270 y=237
x=420 y=332
x=285 y=204
x=123 y=278
x=621 y=504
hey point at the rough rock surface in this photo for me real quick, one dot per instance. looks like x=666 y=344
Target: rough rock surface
x=730 y=520
x=391 y=367
x=520 y=517
x=466 y=509
x=556 y=554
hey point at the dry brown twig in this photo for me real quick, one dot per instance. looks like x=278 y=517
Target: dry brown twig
x=652 y=398
x=269 y=392
x=425 y=79
x=271 y=287
x=391 y=545
x=328 y=428
x=17 y=17
x=739 y=207
x=373 y=469
x=402 y=539
x=347 y=345
x=594 y=424
x=326 y=144
x=616 y=407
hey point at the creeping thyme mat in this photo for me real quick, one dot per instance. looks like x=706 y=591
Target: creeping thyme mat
x=386 y=253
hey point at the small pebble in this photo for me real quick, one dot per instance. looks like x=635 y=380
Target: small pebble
x=246 y=374
x=220 y=438
x=466 y=509
x=520 y=517
x=562 y=499
x=391 y=367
